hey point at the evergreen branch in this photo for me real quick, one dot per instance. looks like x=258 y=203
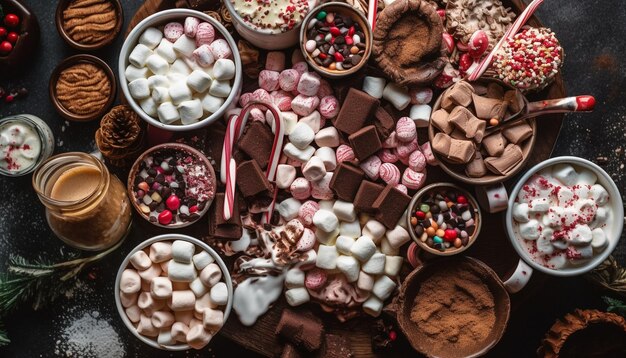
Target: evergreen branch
x=615 y=305
x=4 y=337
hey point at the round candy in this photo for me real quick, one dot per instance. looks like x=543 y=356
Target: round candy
x=165 y=217
x=172 y=202
x=387 y=156
x=329 y=107
x=417 y=161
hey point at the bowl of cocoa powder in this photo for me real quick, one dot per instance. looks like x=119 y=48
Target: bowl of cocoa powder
x=453 y=307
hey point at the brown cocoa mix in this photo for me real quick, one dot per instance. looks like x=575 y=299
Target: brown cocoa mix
x=83 y=88
x=90 y=21
x=454 y=309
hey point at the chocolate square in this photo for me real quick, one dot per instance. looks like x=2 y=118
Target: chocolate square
x=390 y=205
x=384 y=123
x=366 y=196
x=251 y=180
x=336 y=346
x=365 y=142
x=346 y=181
x=257 y=141
x=357 y=109
x=224 y=229
x=301 y=329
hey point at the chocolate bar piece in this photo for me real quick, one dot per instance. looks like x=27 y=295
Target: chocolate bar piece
x=454 y=150
x=336 y=346
x=257 y=141
x=366 y=196
x=439 y=118
x=302 y=330
x=230 y=229
x=215 y=143
x=357 y=109
x=487 y=108
x=346 y=181
x=390 y=206
x=365 y=142
x=464 y=120
x=384 y=123
x=518 y=133
x=494 y=144
x=289 y=351
x=503 y=164
x=251 y=180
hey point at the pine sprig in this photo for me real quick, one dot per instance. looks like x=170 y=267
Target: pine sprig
x=4 y=337
x=615 y=305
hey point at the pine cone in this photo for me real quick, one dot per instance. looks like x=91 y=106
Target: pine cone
x=120 y=137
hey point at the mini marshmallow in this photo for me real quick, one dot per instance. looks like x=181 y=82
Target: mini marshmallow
x=212 y=320
x=397 y=237
x=139 y=55
x=300 y=189
x=393 y=264
x=373 y=306
x=198 y=337
x=387 y=249
x=185 y=317
x=185 y=46
x=220 y=88
x=149 y=106
x=313 y=120
x=397 y=95
x=290 y=120
x=294 y=278
x=130 y=281
x=211 y=275
x=304 y=105
x=190 y=111
x=198 y=288
x=307 y=241
x=145 y=327
x=133 y=313
x=581 y=235
x=212 y=104
x=140 y=260
x=309 y=84
x=365 y=282
x=314 y=169
x=157 y=64
x=165 y=337
x=162 y=319
x=133 y=73
x=301 y=136
x=326 y=204
x=155 y=81
x=151 y=37
x=363 y=248
x=375 y=265
x=285 y=175
x=224 y=69
x=302 y=155
x=179 y=67
x=375 y=230
x=371 y=167
x=180 y=92
x=220 y=49
x=599 y=240
x=182 y=251
x=151 y=272
x=182 y=300
x=191 y=26
x=179 y=331
x=327 y=137
x=297 y=296
x=374 y=86
x=326 y=238
x=149 y=304
x=203 y=303
x=327 y=155
x=420 y=113
x=325 y=220
x=327 y=257
x=268 y=80
x=199 y=81
x=306 y=212
x=288 y=80
x=344 y=244
x=168 y=113
x=173 y=31
x=181 y=272
x=139 y=88
x=599 y=194
x=166 y=51
x=128 y=299
x=204 y=56
x=349 y=266
x=205 y=34
x=350 y=229
x=344 y=210
x=161 y=95
x=565 y=173
x=521 y=212
x=321 y=189
x=383 y=287
x=219 y=294
x=529 y=230
x=161 y=287
x=288 y=208
x=275 y=61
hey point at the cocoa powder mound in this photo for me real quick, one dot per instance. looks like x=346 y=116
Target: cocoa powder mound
x=454 y=309
x=407 y=40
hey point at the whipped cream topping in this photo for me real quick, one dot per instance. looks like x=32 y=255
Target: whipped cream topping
x=278 y=15
x=20 y=146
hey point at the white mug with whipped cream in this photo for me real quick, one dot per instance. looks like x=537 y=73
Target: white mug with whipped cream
x=25 y=142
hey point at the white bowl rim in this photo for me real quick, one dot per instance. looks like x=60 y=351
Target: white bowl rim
x=170 y=237
x=166 y=15
x=235 y=15
x=614 y=194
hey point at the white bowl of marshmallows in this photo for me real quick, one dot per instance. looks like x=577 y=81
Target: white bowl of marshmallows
x=180 y=70
x=173 y=292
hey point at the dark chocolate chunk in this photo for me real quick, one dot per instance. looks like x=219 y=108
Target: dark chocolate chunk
x=358 y=108
x=251 y=180
x=365 y=142
x=366 y=196
x=384 y=123
x=346 y=181
x=336 y=346
x=257 y=141
x=301 y=329
x=289 y=351
x=224 y=229
x=390 y=205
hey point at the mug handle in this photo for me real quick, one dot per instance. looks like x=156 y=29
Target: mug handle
x=519 y=278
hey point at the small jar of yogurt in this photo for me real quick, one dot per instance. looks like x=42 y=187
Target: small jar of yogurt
x=25 y=142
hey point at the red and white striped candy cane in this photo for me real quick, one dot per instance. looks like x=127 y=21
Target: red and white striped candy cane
x=372 y=9
x=228 y=167
x=517 y=25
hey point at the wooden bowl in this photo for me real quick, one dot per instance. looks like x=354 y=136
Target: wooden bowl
x=63 y=4
x=15 y=62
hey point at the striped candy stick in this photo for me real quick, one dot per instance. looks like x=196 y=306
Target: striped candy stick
x=228 y=166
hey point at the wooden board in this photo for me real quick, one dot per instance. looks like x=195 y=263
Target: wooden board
x=492 y=247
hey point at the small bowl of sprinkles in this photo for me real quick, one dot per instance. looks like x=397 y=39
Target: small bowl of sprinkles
x=88 y=25
x=444 y=219
x=336 y=40
x=530 y=60
x=172 y=185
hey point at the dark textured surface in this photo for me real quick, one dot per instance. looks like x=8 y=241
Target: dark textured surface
x=592 y=33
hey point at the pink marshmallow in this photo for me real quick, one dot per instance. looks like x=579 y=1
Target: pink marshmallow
x=307 y=241
x=304 y=105
x=309 y=84
x=301 y=67
x=389 y=173
x=275 y=61
x=306 y=212
x=428 y=153
x=406 y=130
x=245 y=98
x=220 y=49
x=391 y=141
x=387 y=156
x=321 y=189
x=417 y=161
x=256 y=114
x=402 y=188
x=191 y=26
x=344 y=154
x=371 y=167
x=412 y=179
x=268 y=80
x=205 y=34
x=282 y=100
x=173 y=31
x=405 y=149
x=300 y=189
x=329 y=107
x=204 y=56
x=315 y=279
x=262 y=95
x=421 y=95
x=325 y=89
x=288 y=79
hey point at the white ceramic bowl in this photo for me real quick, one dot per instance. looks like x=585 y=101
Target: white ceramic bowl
x=264 y=38
x=613 y=232
x=159 y=19
x=152 y=342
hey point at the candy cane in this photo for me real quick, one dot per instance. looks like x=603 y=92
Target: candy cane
x=228 y=176
x=517 y=25
x=372 y=8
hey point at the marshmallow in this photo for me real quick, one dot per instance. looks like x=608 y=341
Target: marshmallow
x=145 y=327
x=205 y=34
x=288 y=208
x=363 y=248
x=191 y=26
x=398 y=96
x=268 y=80
x=375 y=265
x=128 y=299
x=157 y=64
x=405 y=129
x=321 y=189
x=365 y=282
x=565 y=173
x=344 y=244
x=151 y=37
x=350 y=229
x=161 y=287
x=140 y=260
x=326 y=238
x=182 y=300
x=304 y=105
x=219 y=294
x=290 y=120
x=288 y=80
x=383 y=287
x=327 y=257
x=314 y=169
x=158 y=81
x=581 y=235
x=294 y=278
x=162 y=319
x=301 y=136
x=220 y=88
x=420 y=113
x=165 y=337
x=149 y=106
x=329 y=107
x=275 y=61
x=301 y=155
x=139 y=88
x=182 y=251
x=179 y=331
x=297 y=296
x=202 y=304
x=306 y=212
x=224 y=69
x=220 y=49
x=397 y=237
x=285 y=175
x=139 y=55
x=309 y=84
x=327 y=137
x=529 y=230
x=300 y=189
x=134 y=73
x=307 y=241
x=179 y=67
x=160 y=95
x=521 y=212
x=389 y=173
x=374 y=86
x=190 y=111
x=181 y=272
x=421 y=95
x=301 y=67
x=387 y=249
x=393 y=264
x=313 y=120
x=344 y=210
x=185 y=46
x=198 y=288
x=599 y=240
x=130 y=281
x=373 y=306
x=349 y=266
x=173 y=31
x=417 y=161
x=166 y=51
x=599 y=194
x=180 y=92
x=212 y=320
x=184 y=317
x=149 y=304
x=371 y=167
x=212 y=104
x=199 y=81
x=326 y=204
x=211 y=275
x=168 y=113
x=325 y=220
x=133 y=313
x=198 y=337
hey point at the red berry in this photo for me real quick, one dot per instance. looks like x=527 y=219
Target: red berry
x=11 y=20
x=465 y=61
x=12 y=37
x=173 y=203
x=9 y=98
x=3 y=32
x=165 y=217
x=393 y=335
x=5 y=47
